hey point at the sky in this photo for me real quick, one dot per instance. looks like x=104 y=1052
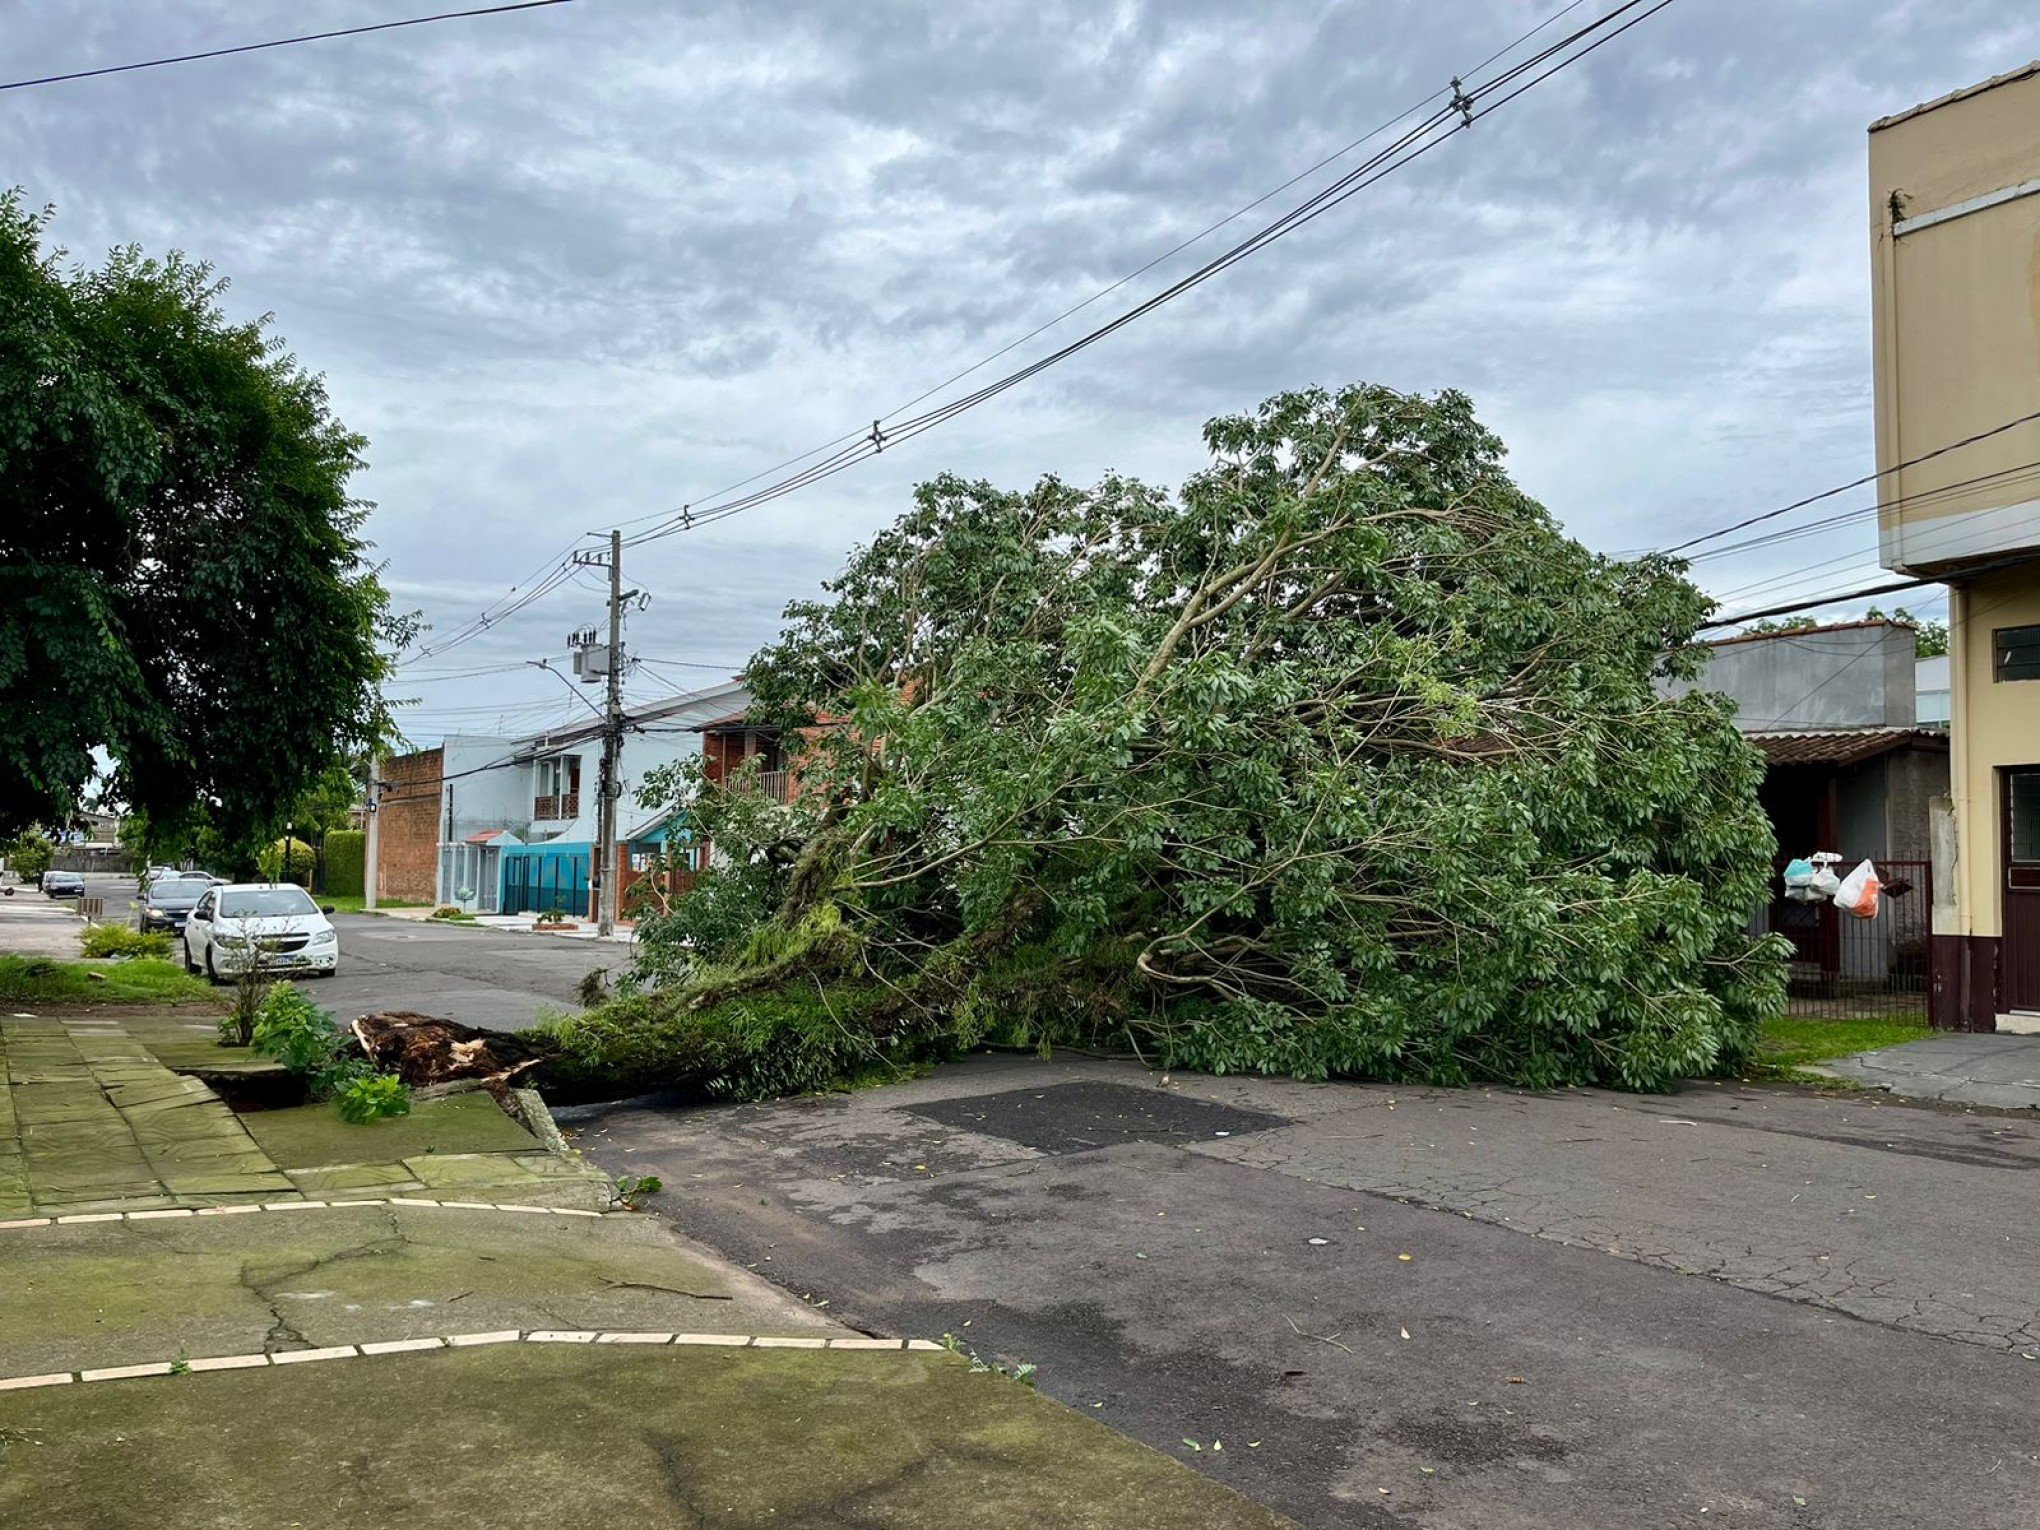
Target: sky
x=574 y=267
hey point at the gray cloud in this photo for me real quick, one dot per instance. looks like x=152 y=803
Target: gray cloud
x=579 y=266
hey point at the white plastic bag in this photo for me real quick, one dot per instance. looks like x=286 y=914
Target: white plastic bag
x=1858 y=893
x=1825 y=883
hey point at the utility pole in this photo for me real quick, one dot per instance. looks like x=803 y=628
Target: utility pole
x=374 y=856
x=603 y=881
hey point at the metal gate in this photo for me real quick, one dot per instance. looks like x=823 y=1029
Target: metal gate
x=1844 y=967
x=539 y=884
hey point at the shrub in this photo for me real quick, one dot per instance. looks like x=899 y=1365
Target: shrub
x=452 y=913
x=373 y=1097
x=346 y=862
x=286 y=861
x=297 y=1033
x=106 y=940
x=30 y=856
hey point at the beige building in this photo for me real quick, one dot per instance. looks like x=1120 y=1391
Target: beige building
x=1955 y=239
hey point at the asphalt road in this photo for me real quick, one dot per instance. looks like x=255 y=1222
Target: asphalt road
x=492 y=978
x=1371 y=1307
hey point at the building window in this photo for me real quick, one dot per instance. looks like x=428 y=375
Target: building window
x=2015 y=653
x=2022 y=802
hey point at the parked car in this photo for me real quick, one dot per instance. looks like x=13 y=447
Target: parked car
x=168 y=899
x=274 y=923
x=63 y=884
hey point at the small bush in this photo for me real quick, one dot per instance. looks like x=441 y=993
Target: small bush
x=373 y=1098
x=297 y=1033
x=104 y=940
x=452 y=914
x=286 y=861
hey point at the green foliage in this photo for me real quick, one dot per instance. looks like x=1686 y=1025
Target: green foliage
x=105 y=940
x=27 y=980
x=30 y=855
x=1793 y=1042
x=346 y=862
x=286 y=860
x=1342 y=762
x=451 y=913
x=1930 y=638
x=633 y=1188
x=182 y=582
x=376 y=1097
x=290 y=1028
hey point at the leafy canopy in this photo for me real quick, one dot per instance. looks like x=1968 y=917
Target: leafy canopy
x=1341 y=762
x=181 y=575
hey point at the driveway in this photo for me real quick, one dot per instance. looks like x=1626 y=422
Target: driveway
x=1375 y=1307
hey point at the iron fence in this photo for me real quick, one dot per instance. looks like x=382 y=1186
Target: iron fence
x=1848 y=968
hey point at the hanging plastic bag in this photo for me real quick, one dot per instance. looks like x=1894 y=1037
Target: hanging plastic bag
x=1825 y=883
x=1858 y=892
x=1799 y=881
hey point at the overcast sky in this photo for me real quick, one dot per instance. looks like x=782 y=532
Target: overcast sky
x=577 y=266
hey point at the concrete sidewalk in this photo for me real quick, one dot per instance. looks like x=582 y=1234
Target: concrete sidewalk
x=2001 y=1071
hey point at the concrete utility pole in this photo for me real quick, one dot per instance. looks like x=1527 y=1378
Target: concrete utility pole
x=373 y=858
x=604 y=873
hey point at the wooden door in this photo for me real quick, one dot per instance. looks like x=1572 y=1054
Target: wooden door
x=2021 y=948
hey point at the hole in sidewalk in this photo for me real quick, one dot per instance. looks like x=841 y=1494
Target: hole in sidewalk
x=1081 y=1118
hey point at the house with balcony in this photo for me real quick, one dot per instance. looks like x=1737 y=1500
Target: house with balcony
x=1955 y=248
x=510 y=825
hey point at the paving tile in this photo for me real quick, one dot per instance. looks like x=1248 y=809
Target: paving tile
x=300 y=1356
x=228 y=1363
x=468 y=1340
x=438 y=1170
x=21 y=1383
x=124 y=1372
x=352 y=1176
x=401 y=1346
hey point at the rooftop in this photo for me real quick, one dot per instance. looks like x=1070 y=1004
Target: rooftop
x=2025 y=71
x=1842 y=746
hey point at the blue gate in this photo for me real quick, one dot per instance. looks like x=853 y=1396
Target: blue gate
x=538 y=879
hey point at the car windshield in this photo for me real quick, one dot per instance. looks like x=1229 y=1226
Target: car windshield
x=266 y=903
x=191 y=888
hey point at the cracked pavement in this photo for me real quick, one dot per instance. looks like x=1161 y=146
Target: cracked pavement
x=1746 y=1305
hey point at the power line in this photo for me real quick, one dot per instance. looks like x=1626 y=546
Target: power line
x=1857 y=483
x=281 y=42
x=1464 y=108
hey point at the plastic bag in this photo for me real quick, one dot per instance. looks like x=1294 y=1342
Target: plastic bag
x=1858 y=892
x=1799 y=881
x=1825 y=883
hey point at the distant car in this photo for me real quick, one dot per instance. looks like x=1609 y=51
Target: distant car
x=168 y=899
x=63 y=884
x=273 y=923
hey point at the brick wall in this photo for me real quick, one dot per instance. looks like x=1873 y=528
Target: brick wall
x=407 y=839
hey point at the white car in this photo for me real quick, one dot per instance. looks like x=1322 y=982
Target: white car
x=275 y=922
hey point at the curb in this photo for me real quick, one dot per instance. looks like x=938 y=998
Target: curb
x=78 y=1218
x=461 y=1341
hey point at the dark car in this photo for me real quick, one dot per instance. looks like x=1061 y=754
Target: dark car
x=63 y=884
x=168 y=899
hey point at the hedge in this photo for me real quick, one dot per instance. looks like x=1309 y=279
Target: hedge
x=346 y=858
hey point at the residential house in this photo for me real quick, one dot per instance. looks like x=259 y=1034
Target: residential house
x=513 y=822
x=1849 y=769
x=1955 y=245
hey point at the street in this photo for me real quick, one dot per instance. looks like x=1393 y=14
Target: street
x=1366 y=1306
x=481 y=977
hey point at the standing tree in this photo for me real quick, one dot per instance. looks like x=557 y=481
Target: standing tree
x=182 y=583
x=1342 y=762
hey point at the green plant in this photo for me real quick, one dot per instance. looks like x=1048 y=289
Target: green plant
x=237 y=1026
x=290 y=1028
x=632 y=1188
x=979 y=1366
x=451 y=913
x=373 y=1098
x=109 y=940
x=30 y=856
x=286 y=860
x=554 y=915
x=181 y=1365
x=593 y=987
x=346 y=852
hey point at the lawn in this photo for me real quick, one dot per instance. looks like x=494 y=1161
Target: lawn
x=352 y=903
x=1792 y=1042
x=44 y=980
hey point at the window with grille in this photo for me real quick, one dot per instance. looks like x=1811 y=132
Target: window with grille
x=2015 y=653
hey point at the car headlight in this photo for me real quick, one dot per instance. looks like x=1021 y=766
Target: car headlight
x=156 y=913
x=322 y=937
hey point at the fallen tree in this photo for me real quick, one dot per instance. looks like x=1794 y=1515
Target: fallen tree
x=1342 y=762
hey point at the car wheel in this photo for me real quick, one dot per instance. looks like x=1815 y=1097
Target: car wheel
x=212 y=973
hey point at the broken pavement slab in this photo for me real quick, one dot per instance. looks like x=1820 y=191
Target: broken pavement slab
x=695 y=1435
